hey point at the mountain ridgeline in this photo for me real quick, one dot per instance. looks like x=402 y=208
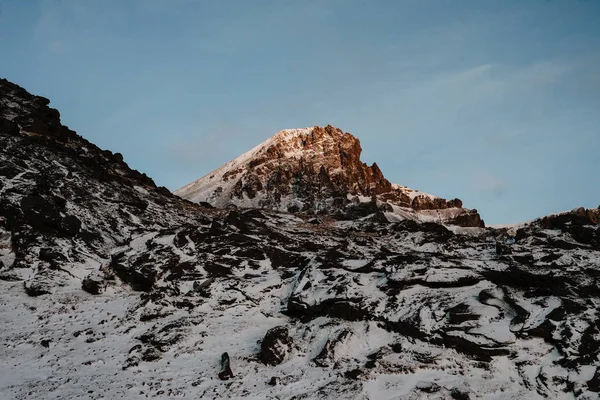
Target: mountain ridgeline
x=325 y=281
x=318 y=171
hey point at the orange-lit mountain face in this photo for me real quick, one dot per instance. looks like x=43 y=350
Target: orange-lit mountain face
x=318 y=170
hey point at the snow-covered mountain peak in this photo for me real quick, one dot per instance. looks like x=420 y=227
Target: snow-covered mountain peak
x=291 y=133
x=319 y=170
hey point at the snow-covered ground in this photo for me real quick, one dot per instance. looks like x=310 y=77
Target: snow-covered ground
x=421 y=320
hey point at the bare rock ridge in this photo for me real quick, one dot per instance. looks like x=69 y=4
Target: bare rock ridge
x=318 y=170
x=65 y=204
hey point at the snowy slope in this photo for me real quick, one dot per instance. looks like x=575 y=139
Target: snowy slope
x=203 y=189
x=112 y=288
x=373 y=311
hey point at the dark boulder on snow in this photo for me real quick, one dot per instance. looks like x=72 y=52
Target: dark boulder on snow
x=42 y=212
x=275 y=346
x=70 y=225
x=138 y=272
x=225 y=373
x=427 y=387
x=94 y=283
x=55 y=258
x=38 y=286
x=458 y=394
x=151 y=354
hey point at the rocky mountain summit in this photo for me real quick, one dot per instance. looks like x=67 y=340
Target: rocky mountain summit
x=111 y=287
x=318 y=170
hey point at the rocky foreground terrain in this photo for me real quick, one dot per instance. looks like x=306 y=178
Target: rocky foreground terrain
x=111 y=287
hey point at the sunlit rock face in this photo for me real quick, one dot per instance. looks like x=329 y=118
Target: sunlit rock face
x=318 y=170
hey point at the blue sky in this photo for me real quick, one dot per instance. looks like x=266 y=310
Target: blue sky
x=494 y=102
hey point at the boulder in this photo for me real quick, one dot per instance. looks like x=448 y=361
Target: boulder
x=94 y=283
x=275 y=346
x=428 y=387
x=225 y=373
x=38 y=286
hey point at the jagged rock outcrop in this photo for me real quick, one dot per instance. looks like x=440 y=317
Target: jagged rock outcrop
x=64 y=203
x=579 y=216
x=318 y=170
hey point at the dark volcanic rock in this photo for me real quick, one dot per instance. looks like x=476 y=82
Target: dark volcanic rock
x=578 y=216
x=225 y=373
x=594 y=383
x=163 y=337
x=41 y=212
x=275 y=346
x=37 y=287
x=94 y=283
x=55 y=258
x=467 y=218
x=139 y=275
x=428 y=387
x=458 y=394
x=51 y=172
